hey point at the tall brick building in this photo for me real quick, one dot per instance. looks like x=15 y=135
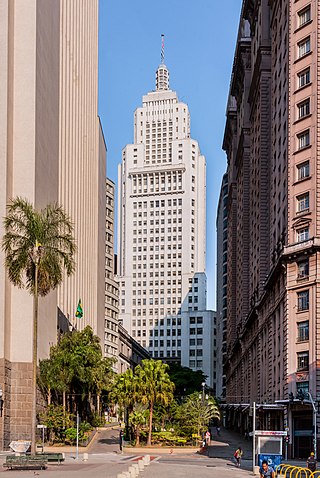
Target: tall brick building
x=272 y=143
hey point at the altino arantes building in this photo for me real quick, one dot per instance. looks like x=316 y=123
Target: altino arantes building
x=162 y=234
x=273 y=256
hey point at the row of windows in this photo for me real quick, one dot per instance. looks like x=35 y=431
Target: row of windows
x=156 y=283
x=169 y=354
x=169 y=321
x=195 y=363
x=160 y=343
x=157 y=312
x=155 y=291
x=158 y=203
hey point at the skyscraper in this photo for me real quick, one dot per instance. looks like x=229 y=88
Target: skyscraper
x=162 y=233
x=49 y=143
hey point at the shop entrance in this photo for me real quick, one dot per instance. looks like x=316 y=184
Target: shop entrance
x=302 y=434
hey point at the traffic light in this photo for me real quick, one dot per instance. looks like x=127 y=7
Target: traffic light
x=291 y=397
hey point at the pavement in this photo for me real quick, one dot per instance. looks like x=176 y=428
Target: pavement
x=106 y=461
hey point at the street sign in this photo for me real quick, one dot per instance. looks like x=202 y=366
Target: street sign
x=41 y=426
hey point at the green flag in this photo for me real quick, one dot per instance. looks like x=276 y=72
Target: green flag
x=79 y=311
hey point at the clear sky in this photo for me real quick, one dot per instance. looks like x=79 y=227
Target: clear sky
x=200 y=38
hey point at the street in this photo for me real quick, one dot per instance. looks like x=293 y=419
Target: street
x=106 y=461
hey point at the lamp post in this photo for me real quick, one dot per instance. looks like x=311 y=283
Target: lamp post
x=1 y=402
x=314 y=424
x=203 y=385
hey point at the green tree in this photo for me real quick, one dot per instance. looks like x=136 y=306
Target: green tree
x=186 y=381
x=56 y=420
x=137 y=419
x=196 y=413
x=39 y=246
x=77 y=367
x=152 y=385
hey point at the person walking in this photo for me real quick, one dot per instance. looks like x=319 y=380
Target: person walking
x=238 y=455
x=266 y=470
x=312 y=462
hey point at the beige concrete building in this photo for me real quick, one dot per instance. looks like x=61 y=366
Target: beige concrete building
x=49 y=151
x=272 y=143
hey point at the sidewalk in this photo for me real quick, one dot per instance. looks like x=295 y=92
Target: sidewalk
x=225 y=445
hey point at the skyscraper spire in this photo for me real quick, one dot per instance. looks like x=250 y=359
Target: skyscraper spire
x=162 y=49
x=162 y=76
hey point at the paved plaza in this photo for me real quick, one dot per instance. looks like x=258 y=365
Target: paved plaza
x=106 y=461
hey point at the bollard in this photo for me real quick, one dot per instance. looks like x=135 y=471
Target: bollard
x=147 y=458
x=141 y=465
x=132 y=471
x=85 y=457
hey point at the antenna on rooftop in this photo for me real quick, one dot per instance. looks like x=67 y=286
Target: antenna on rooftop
x=162 y=48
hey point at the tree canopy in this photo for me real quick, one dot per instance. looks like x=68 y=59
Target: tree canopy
x=49 y=233
x=76 y=367
x=185 y=379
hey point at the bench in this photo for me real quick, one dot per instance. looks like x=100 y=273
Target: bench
x=25 y=462
x=52 y=457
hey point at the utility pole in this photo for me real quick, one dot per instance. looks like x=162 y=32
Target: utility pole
x=254 y=437
x=314 y=424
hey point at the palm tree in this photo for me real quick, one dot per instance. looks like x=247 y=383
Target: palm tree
x=153 y=385
x=123 y=392
x=39 y=246
x=137 y=420
x=196 y=412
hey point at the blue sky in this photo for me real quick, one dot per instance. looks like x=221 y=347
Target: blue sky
x=200 y=38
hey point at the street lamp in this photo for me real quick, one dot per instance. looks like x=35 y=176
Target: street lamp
x=1 y=402
x=203 y=385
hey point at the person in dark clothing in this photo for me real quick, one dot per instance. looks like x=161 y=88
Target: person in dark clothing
x=312 y=462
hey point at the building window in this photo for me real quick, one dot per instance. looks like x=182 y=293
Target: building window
x=192 y=363
x=303 y=234
x=303 y=331
x=303 y=139
x=304 y=16
x=302 y=361
x=303 y=300
x=303 y=202
x=303 y=170
x=303 y=269
x=304 y=108
x=303 y=387
x=304 y=47
x=304 y=78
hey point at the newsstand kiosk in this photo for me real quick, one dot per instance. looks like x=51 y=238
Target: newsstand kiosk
x=269 y=446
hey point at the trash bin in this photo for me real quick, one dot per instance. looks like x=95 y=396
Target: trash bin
x=273 y=459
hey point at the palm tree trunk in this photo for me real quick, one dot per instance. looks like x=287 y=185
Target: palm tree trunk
x=64 y=400
x=138 y=436
x=34 y=364
x=49 y=396
x=150 y=424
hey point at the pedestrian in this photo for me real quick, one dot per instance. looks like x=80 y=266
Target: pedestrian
x=312 y=462
x=218 y=430
x=266 y=470
x=121 y=440
x=208 y=437
x=238 y=455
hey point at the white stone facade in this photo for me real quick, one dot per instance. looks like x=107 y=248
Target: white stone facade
x=162 y=230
